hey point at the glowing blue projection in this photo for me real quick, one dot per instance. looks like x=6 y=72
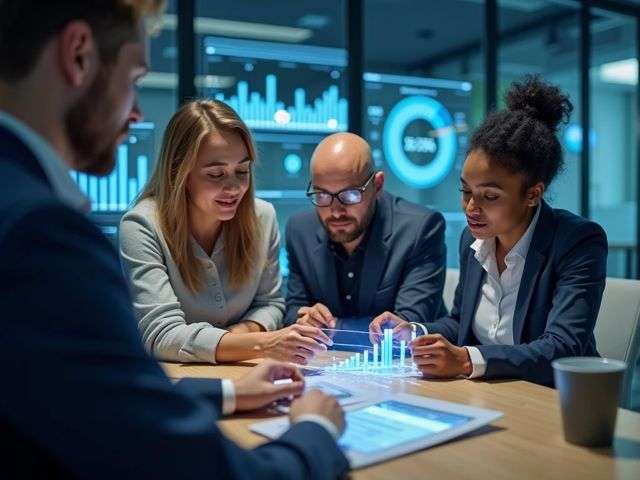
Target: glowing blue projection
x=389 y=424
x=116 y=192
x=382 y=357
x=327 y=113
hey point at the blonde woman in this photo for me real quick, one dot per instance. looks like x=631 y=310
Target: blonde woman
x=202 y=251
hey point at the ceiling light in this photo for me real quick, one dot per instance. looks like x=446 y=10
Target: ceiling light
x=169 y=81
x=622 y=71
x=232 y=28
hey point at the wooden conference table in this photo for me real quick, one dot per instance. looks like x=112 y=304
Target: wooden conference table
x=527 y=443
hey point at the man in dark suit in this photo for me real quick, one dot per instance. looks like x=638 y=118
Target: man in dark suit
x=362 y=252
x=81 y=397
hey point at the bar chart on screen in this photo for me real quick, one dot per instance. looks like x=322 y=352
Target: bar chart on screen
x=277 y=87
x=115 y=193
x=326 y=113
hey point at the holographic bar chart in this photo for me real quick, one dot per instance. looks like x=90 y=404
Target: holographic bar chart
x=376 y=359
x=116 y=192
x=326 y=113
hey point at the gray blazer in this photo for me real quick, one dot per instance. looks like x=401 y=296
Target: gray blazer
x=177 y=325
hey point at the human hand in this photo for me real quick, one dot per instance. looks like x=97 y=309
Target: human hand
x=256 y=389
x=401 y=328
x=317 y=403
x=297 y=343
x=435 y=356
x=316 y=316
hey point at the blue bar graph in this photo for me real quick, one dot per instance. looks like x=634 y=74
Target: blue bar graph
x=103 y=205
x=328 y=113
x=133 y=188
x=113 y=192
x=116 y=192
x=121 y=171
x=82 y=182
x=369 y=362
x=93 y=192
x=143 y=170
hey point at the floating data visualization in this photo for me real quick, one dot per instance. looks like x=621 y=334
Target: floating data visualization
x=116 y=192
x=382 y=356
x=417 y=127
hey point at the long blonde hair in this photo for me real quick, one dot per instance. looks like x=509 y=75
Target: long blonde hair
x=167 y=186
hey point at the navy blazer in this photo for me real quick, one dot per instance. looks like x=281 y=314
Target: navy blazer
x=558 y=299
x=81 y=398
x=403 y=269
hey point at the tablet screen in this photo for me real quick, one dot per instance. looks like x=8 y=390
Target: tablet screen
x=388 y=424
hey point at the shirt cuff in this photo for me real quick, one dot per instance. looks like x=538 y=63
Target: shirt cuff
x=203 y=347
x=228 y=397
x=270 y=317
x=324 y=422
x=478 y=362
x=421 y=327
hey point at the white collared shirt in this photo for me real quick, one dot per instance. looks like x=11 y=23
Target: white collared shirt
x=493 y=321
x=54 y=167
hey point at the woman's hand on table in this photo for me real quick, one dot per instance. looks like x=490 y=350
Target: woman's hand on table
x=297 y=343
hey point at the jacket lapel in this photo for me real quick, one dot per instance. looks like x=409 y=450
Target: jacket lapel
x=375 y=257
x=472 y=289
x=14 y=151
x=542 y=237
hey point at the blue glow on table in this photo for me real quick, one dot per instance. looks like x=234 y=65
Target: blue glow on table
x=388 y=424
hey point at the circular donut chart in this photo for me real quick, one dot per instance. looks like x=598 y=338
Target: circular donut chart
x=402 y=115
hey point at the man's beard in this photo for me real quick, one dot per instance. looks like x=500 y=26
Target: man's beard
x=93 y=144
x=360 y=227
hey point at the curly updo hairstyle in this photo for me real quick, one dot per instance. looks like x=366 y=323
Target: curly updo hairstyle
x=523 y=137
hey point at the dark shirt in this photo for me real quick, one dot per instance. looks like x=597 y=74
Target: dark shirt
x=349 y=273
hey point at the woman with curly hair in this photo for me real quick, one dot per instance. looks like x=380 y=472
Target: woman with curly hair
x=531 y=276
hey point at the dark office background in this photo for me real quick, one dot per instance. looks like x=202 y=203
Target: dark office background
x=333 y=65
x=299 y=70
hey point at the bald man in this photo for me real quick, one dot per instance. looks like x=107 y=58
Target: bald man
x=362 y=253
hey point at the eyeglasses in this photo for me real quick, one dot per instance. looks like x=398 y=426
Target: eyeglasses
x=348 y=196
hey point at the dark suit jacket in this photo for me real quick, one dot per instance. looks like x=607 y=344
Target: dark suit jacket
x=558 y=300
x=81 y=398
x=403 y=269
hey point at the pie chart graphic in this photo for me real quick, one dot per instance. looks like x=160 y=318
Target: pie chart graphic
x=420 y=160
